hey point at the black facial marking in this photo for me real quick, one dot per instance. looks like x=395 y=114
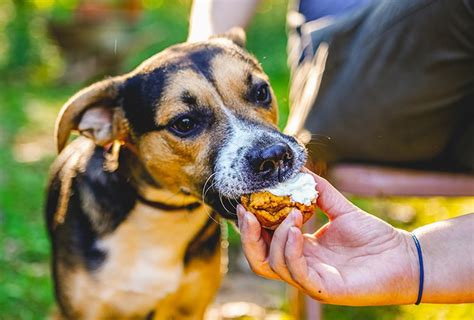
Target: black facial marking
x=142 y=93
x=140 y=96
x=201 y=61
x=189 y=99
x=249 y=80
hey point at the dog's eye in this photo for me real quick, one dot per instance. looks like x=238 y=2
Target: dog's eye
x=183 y=126
x=262 y=94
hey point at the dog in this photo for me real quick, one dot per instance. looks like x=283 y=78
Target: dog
x=164 y=153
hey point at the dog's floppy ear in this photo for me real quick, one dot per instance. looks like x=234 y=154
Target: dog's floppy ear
x=93 y=111
x=236 y=35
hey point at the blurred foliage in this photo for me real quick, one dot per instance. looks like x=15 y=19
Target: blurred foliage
x=27 y=55
x=33 y=65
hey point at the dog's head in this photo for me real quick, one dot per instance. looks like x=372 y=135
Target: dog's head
x=201 y=117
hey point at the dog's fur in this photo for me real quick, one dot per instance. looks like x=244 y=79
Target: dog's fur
x=141 y=241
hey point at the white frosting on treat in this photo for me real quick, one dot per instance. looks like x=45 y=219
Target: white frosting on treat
x=301 y=188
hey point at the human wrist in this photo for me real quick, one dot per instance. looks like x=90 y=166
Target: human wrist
x=421 y=271
x=412 y=276
x=432 y=286
x=447 y=264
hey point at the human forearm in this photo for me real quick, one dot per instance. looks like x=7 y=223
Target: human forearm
x=448 y=253
x=210 y=17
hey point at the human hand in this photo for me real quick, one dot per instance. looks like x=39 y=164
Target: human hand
x=355 y=259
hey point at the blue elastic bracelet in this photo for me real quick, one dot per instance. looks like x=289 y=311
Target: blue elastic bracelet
x=422 y=272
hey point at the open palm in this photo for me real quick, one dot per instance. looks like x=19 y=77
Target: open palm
x=355 y=259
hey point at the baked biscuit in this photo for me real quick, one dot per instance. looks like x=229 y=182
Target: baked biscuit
x=272 y=206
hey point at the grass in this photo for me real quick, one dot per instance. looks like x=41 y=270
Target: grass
x=25 y=286
x=27 y=115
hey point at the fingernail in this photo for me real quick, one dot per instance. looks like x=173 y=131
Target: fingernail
x=245 y=221
x=240 y=211
x=246 y=217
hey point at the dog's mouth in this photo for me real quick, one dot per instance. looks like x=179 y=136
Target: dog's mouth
x=226 y=205
x=223 y=205
x=249 y=161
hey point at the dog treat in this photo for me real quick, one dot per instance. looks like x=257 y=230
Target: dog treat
x=271 y=206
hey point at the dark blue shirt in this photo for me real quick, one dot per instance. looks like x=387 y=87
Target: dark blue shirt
x=315 y=9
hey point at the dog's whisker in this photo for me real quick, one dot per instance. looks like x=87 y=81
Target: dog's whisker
x=316 y=143
x=176 y=194
x=209 y=214
x=222 y=203
x=203 y=192
x=211 y=186
x=319 y=135
x=225 y=208
x=233 y=205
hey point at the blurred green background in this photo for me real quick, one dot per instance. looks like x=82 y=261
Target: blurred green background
x=51 y=48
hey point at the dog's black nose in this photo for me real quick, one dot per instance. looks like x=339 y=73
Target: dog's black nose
x=275 y=158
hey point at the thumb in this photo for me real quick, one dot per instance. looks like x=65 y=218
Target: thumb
x=331 y=201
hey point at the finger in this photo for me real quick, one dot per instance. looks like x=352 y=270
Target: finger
x=331 y=201
x=276 y=256
x=298 y=265
x=254 y=247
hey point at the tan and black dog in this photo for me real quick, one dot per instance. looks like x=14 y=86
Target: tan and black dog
x=132 y=201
